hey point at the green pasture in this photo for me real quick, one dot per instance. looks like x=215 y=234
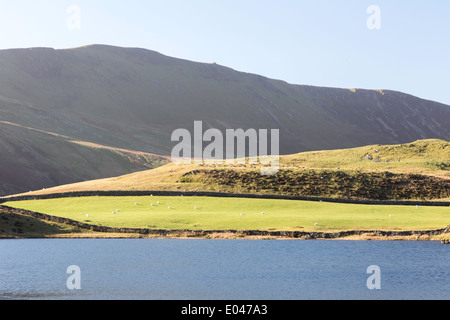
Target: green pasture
x=237 y=214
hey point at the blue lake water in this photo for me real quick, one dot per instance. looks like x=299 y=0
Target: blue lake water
x=150 y=269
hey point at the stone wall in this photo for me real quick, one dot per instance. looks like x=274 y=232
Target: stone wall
x=219 y=194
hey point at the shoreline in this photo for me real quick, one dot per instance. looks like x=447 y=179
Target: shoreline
x=226 y=236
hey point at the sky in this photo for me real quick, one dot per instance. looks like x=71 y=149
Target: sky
x=379 y=44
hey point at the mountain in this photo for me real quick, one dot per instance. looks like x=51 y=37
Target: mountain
x=133 y=99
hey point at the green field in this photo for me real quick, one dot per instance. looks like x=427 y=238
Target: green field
x=238 y=214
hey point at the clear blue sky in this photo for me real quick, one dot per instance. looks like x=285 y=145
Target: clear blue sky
x=316 y=42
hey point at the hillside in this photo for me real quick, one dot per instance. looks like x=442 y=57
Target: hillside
x=133 y=99
x=413 y=171
x=35 y=159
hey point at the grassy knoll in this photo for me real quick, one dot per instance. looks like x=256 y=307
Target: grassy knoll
x=415 y=171
x=225 y=214
x=428 y=157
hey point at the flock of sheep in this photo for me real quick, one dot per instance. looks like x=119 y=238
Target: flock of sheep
x=137 y=203
x=196 y=208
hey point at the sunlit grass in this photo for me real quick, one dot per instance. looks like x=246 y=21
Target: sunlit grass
x=238 y=214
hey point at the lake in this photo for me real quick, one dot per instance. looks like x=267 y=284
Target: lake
x=174 y=269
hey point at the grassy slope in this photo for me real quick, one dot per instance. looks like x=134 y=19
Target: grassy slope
x=225 y=214
x=420 y=171
x=421 y=157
